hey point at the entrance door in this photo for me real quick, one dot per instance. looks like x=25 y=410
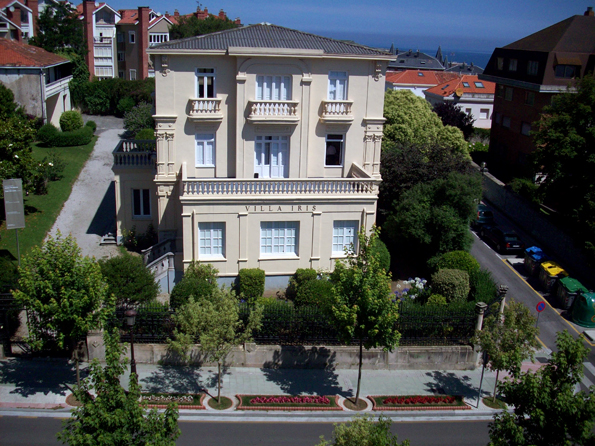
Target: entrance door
x=271 y=156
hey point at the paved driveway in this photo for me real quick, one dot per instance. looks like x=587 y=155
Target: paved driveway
x=90 y=211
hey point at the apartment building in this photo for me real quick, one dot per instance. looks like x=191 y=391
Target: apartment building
x=17 y=19
x=267 y=152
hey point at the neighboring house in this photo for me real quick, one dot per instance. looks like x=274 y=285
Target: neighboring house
x=463 y=68
x=475 y=97
x=17 y=19
x=416 y=81
x=413 y=60
x=528 y=74
x=38 y=79
x=267 y=153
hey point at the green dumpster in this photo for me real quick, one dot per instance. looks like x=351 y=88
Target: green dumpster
x=583 y=311
x=567 y=290
x=549 y=273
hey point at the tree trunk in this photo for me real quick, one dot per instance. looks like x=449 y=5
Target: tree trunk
x=495 y=386
x=359 y=370
x=75 y=356
x=218 y=382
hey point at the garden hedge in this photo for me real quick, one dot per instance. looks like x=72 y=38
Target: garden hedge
x=251 y=284
x=452 y=284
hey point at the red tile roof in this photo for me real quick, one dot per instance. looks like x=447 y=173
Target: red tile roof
x=129 y=16
x=448 y=88
x=17 y=54
x=419 y=77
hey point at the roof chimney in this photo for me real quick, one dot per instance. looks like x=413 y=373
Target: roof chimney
x=176 y=13
x=222 y=15
x=88 y=8
x=589 y=11
x=143 y=44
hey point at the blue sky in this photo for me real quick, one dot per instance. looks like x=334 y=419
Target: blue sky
x=470 y=25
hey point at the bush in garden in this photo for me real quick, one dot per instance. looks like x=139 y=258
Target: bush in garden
x=199 y=281
x=482 y=287
x=145 y=134
x=7 y=104
x=452 y=284
x=315 y=292
x=251 y=284
x=437 y=300
x=71 y=120
x=52 y=166
x=79 y=137
x=129 y=280
x=456 y=260
x=91 y=124
x=136 y=242
x=380 y=251
x=301 y=276
x=46 y=133
x=124 y=106
x=140 y=117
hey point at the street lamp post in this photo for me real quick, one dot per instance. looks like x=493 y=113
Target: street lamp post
x=130 y=316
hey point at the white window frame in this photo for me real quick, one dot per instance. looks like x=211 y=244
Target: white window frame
x=211 y=240
x=132 y=37
x=273 y=88
x=484 y=113
x=331 y=140
x=132 y=73
x=205 y=150
x=344 y=237
x=337 y=85
x=279 y=238
x=205 y=74
x=144 y=195
x=158 y=38
x=271 y=156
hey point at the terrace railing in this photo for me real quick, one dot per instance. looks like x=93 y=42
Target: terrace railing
x=131 y=154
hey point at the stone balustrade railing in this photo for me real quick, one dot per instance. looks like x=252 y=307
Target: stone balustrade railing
x=135 y=154
x=273 y=110
x=207 y=108
x=337 y=110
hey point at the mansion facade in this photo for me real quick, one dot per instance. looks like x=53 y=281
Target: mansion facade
x=267 y=152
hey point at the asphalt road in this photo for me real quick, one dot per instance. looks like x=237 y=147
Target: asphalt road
x=21 y=431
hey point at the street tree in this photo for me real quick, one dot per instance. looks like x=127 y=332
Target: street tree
x=363 y=431
x=546 y=409
x=215 y=321
x=110 y=415
x=64 y=294
x=361 y=304
x=452 y=114
x=508 y=339
x=60 y=30
x=410 y=121
x=129 y=280
x=190 y=26
x=564 y=139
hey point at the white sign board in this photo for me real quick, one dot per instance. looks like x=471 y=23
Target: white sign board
x=13 y=203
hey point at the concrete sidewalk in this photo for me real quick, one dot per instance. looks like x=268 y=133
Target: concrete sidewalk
x=45 y=384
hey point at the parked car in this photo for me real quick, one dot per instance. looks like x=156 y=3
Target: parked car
x=503 y=239
x=484 y=217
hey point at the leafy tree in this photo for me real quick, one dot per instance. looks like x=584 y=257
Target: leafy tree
x=8 y=106
x=215 y=320
x=361 y=304
x=565 y=151
x=452 y=115
x=190 y=26
x=508 y=340
x=139 y=117
x=546 y=409
x=129 y=280
x=363 y=431
x=110 y=415
x=433 y=218
x=80 y=78
x=410 y=121
x=59 y=29
x=64 y=293
x=199 y=280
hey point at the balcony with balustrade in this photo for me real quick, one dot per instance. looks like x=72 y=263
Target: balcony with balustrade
x=271 y=112
x=135 y=154
x=336 y=111
x=205 y=110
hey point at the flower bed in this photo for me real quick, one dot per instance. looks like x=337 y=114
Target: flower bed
x=287 y=402
x=418 y=402
x=184 y=401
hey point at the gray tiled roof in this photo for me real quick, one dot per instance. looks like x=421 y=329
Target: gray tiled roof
x=409 y=60
x=265 y=35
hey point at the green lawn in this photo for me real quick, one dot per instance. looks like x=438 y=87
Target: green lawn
x=41 y=211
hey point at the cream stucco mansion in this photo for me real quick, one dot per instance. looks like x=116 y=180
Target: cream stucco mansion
x=267 y=152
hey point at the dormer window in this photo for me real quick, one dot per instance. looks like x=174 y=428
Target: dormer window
x=466 y=84
x=479 y=84
x=567 y=71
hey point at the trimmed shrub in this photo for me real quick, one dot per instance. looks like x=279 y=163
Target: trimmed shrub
x=453 y=284
x=129 y=280
x=525 y=188
x=437 y=300
x=251 y=284
x=145 y=134
x=456 y=260
x=315 y=292
x=140 y=117
x=78 y=137
x=482 y=287
x=46 y=133
x=199 y=281
x=301 y=276
x=125 y=105
x=91 y=124
x=380 y=251
x=71 y=120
